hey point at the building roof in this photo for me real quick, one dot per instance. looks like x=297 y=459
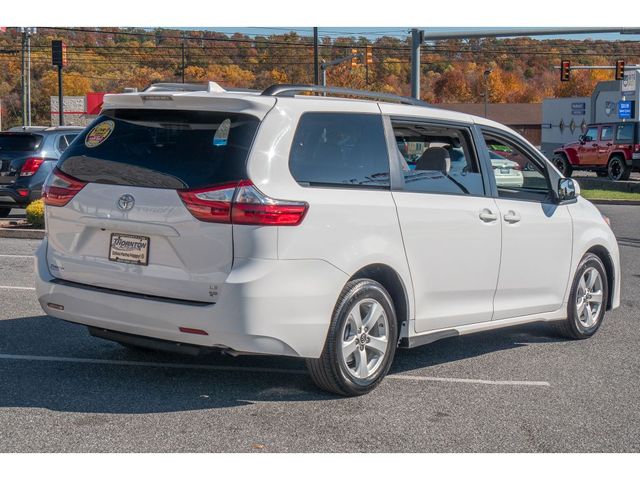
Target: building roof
x=506 y=113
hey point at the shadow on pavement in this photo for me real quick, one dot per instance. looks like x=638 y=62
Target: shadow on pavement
x=126 y=389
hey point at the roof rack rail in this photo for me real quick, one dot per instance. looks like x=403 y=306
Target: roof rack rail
x=289 y=90
x=194 y=87
x=177 y=87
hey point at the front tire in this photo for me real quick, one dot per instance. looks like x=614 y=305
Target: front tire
x=617 y=169
x=361 y=342
x=561 y=162
x=588 y=299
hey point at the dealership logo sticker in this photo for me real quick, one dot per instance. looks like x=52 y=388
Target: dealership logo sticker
x=99 y=133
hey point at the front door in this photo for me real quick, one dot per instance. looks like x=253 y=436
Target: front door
x=536 y=237
x=605 y=144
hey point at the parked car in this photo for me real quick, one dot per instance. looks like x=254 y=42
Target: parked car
x=27 y=156
x=609 y=149
x=285 y=224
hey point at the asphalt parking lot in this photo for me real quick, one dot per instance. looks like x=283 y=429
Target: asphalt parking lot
x=516 y=390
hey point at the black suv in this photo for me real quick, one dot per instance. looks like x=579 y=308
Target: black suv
x=27 y=155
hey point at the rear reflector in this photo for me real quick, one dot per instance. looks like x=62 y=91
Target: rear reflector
x=60 y=188
x=241 y=203
x=31 y=166
x=195 y=331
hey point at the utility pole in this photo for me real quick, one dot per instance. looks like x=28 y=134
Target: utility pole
x=316 y=71
x=486 y=74
x=26 y=74
x=29 y=32
x=182 y=69
x=417 y=37
x=23 y=84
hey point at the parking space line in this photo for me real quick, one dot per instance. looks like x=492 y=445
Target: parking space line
x=470 y=380
x=9 y=287
x=198 y=366
x=16 y=256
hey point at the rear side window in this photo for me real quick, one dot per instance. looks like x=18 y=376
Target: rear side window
x=65 y=140
x=606 y=133
x=162 y=148
x=624 y=133
x=340 y=150
x=19 y=142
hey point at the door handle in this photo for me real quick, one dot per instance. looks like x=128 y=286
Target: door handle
x=511 y=217
x=487 y=215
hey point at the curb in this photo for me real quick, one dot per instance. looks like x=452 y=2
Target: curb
x=30 y=234
x=614 y=202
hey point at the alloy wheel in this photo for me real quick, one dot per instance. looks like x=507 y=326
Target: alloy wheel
x=589 y=297
x=364 y=340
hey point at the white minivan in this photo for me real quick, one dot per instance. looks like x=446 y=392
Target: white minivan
x=326 y=227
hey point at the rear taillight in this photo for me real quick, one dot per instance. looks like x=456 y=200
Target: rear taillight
x=60 y=188
x=241 y=203
x=31 y=166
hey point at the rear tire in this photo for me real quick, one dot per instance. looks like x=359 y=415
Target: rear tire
x=561 y=162
x=617 y=169
x=4 y=212
x=361 y=342
x=587 y=301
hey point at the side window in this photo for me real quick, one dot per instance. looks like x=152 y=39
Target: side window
x=64 y=141
x=518 y=174
x=591 y=135
x=624 y=133
x=437 y=159
x=606 y=133
x=341 y=150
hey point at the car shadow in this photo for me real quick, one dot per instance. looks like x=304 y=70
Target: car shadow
x=38 y=370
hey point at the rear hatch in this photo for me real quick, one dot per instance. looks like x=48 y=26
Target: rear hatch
x=15 y=149
x=126 y=226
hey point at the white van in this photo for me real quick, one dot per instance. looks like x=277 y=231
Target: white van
x=332 y=229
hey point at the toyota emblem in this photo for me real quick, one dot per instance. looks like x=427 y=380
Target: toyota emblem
x=126 y=202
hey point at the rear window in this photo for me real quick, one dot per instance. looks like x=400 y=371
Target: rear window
x=162 y=148
x=340 y=150
x=20 y=142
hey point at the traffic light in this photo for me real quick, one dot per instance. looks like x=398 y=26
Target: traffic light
x=565 y=70
x=354 y=58
x=369 y=55
x=620 y=70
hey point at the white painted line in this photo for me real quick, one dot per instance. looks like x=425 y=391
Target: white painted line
x=469 y=380
x=197 y=366
x=8 y=287
x=16 y=256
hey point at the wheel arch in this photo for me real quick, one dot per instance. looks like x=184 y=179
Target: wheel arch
x=616 y=153
x=392 y=282
x=603 y=254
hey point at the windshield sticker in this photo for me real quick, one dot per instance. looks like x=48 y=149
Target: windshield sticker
x=222 y=134
x=99 y=133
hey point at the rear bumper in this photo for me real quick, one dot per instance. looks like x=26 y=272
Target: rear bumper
x=9 y=197
x=279 y=307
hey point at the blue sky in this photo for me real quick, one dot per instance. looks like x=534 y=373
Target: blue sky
x=373 y=32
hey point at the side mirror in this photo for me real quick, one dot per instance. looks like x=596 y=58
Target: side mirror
x=568 y=190
x=582 y=138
